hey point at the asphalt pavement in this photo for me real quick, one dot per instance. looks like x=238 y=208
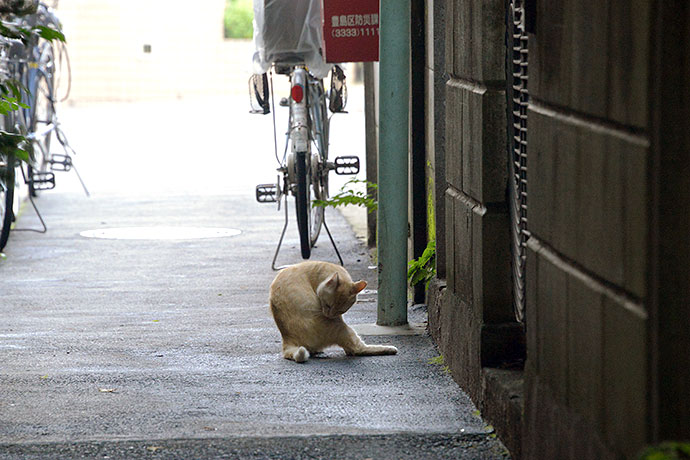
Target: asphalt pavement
x=138 y=325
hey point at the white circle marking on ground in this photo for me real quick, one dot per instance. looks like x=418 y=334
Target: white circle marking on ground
x=160 y=233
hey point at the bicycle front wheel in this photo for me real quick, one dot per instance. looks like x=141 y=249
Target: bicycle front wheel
x=303 y=203
x=6 y=198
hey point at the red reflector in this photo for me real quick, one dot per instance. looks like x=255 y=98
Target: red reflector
x=297 y=93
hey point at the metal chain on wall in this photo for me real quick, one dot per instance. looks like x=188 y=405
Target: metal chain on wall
x=517 y=118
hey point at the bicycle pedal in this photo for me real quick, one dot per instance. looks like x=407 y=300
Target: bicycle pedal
x=346 y=165
x=60 y=162
x=267 y=193
x=42 y=181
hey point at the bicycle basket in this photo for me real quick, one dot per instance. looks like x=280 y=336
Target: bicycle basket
x=289 y=31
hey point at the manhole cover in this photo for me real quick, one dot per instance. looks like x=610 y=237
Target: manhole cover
x=160 y=233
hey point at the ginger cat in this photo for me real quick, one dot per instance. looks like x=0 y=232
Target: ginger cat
x=307 y=301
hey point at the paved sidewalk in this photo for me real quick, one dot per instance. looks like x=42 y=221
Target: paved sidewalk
x=165 y=348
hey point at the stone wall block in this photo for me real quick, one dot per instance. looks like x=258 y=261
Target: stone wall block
x=532 y=288
x=450 y=238
x=587 y=195
x=475 y=141
x=585 y=346
x=494 y=161
x=495 y=274
x=609 y=84
x=552 y=350
x=478 y=257
x=464 y=263
x=625 y=375
x=477 y=47
x=455 y=134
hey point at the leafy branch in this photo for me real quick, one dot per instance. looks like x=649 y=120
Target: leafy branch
x=423 y=268
x=348 y=196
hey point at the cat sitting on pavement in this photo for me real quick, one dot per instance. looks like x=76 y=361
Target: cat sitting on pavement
x=307 y=301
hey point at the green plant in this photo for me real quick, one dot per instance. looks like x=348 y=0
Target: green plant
x=440 y=361
x=667 y=451
x=238 y=19
x=423 y=268
x=347 y=195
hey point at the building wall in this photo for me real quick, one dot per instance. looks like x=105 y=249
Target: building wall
x=608 y=210
x=588 y=155
x=188 y=56
x=470 y=306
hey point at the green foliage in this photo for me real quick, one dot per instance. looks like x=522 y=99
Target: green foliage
x=352 y=197
x=15 y=144
x=667 y=451
x=423 y=268
x=49 y=33
x=440 y=361
x=10 y=97
x=238 y=19
x=437 y=360
x=10 y=30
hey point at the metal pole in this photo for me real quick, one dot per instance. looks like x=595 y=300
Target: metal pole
x=372 y=144
x=394 y=91
x=418 y=193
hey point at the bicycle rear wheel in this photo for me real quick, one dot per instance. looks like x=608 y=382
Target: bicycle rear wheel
x=303 y=203
x=319 y=125
x=42 y=117
x=6 y=198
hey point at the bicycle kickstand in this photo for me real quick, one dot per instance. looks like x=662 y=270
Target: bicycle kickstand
x=282 y=235
x=331 y=238
x=280 y=241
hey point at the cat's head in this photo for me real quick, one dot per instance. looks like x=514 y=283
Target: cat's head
x=339 y=294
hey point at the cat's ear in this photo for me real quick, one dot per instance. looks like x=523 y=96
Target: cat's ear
x=332 y=282
x=359 y=286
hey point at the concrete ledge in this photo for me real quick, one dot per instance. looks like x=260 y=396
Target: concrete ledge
x=375 y=329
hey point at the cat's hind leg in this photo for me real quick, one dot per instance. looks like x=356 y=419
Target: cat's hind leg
x=295 y=353
x=355 y=346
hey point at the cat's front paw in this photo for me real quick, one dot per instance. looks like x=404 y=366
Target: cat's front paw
x=301 y=355
x=390 y=350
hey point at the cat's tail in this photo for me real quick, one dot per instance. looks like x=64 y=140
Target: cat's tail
x=297 y=354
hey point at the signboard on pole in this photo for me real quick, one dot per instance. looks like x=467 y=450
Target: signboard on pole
x=351 y=30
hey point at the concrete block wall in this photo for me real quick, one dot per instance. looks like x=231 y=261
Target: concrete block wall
x=470 y=308
x=588 y=154
x=476 y=215
x=608 y=208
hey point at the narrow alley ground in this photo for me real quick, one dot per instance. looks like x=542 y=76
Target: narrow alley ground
x=137 y=348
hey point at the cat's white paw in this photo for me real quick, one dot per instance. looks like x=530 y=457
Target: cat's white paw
x=391 y=350
x=301 y=355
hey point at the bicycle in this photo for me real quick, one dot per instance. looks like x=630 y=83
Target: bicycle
x=31 y=63
x=305 y=165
